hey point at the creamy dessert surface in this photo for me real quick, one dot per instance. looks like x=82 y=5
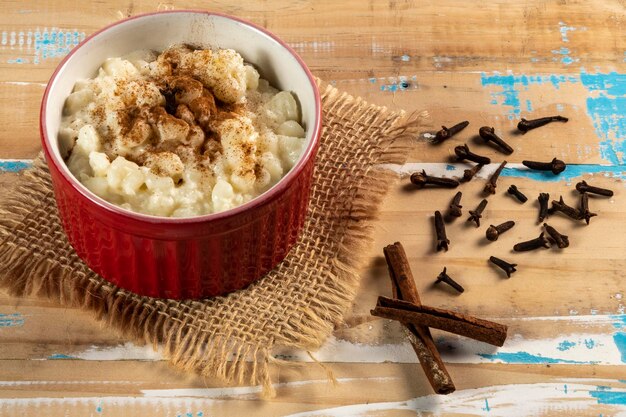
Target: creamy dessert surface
x=182 y=133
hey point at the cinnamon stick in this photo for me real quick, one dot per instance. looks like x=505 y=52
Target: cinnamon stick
x=450 y=321
x=403 y=288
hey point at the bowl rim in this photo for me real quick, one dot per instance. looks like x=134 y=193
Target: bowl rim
x=262 y=199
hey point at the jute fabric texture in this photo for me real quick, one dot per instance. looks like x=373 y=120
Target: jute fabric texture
x=232 y=337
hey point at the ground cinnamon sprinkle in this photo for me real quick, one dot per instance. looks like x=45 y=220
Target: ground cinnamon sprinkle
x=202 y=111
x=172 y=111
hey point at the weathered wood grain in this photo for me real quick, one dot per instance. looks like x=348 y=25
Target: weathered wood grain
x=488 y=63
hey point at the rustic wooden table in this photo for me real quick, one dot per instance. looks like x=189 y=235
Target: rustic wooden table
x=489 y=63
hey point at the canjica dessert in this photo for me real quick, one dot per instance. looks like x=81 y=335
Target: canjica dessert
x=182 y=133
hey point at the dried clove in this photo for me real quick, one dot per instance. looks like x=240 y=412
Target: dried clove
x=463 y=152
x=455 y=207
x=447 y=133
x=538 y=242
x=562 y=241
x=543 y=198
x=170 y=99
x=490 y=187
x=493 y=232
x=421 y=179
x=583 y=187
x=584 y=207
x=526 y=125
x=476 y=215
x=504 y=265
x=444 y=277
x=515 y=192
x=440 y=230
x=489 y=135
x=556 y=166
x=468 y=174
x=571 y=212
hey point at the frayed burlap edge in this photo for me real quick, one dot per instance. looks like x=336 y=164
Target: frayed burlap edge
x=209 y=353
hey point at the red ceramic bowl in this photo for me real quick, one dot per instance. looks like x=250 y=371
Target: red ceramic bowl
x=191 y=257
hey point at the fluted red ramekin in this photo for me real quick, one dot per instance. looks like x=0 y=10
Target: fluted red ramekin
x=193 y=257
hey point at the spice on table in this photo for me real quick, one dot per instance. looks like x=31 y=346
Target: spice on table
x=504 y=265
x=447 y=133
x=444 y=277
x=446 y=320
x=571 y=212
x=468 y=174
x=544 y=199
x=476 y=215
x=583 y=187
x=403 y=288
x=463 y=153
x=493 y=232
x=455 y=207
x=562 y=241
x=538 y=242
x=526 y=125
x=584 y=208
x=556 y=166
x=490 y=187
x=421 y=179
x=489 y=135
x=440 y=231
x=515 y=192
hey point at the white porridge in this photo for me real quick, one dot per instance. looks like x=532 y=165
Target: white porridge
x=182 y=133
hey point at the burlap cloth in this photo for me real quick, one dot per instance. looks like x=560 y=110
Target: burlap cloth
x=232 y=337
